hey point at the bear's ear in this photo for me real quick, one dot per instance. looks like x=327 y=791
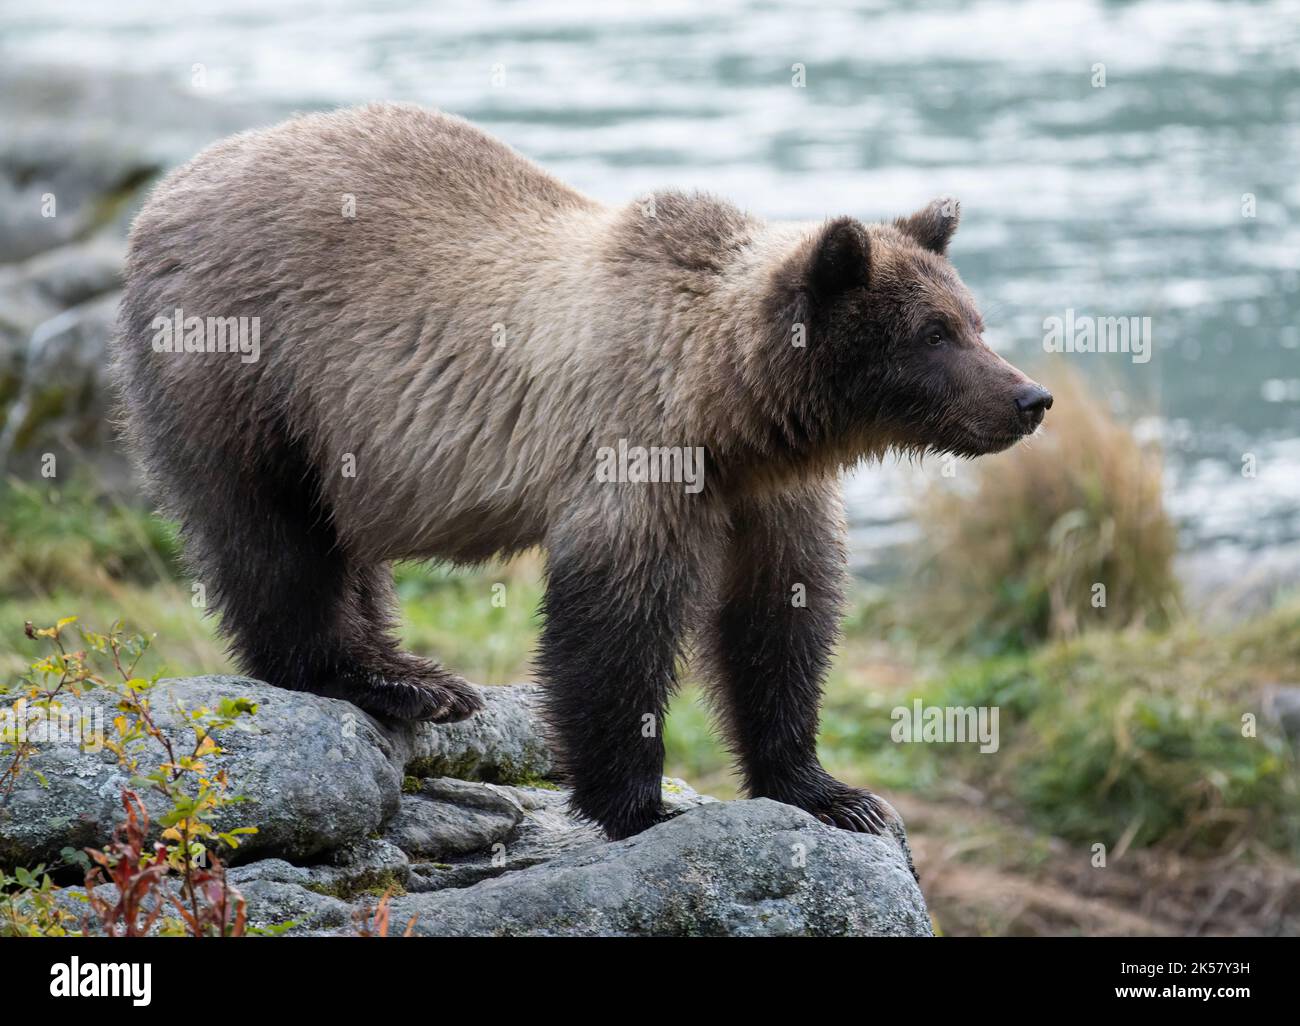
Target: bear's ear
x=841 y=258
x=932 y=226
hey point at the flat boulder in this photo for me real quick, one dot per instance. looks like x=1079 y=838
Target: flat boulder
x=743 y=868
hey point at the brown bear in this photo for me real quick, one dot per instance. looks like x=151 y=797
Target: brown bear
x=445 y=353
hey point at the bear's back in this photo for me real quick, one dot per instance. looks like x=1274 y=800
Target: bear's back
x=370 y=188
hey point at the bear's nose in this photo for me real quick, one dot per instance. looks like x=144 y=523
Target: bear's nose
x=1033 y=401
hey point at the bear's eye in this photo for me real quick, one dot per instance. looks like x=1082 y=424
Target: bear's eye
x=935 y=336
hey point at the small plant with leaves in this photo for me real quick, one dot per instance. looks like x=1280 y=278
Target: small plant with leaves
x=37 y=697
x=31 y=906
x=180 y=870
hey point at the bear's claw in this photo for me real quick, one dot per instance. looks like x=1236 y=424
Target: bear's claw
x=856 y=810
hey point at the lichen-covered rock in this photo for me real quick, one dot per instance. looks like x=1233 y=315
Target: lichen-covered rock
x=452 y=817
x=504 y=743
x=371 y=866
x=752 y=868
x=748 y=868
x=316 y=771
x=338 y=831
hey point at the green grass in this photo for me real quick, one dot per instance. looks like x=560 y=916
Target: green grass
x=76 y=549
x=1135 y=734
x=482 y=622
x=56 y=536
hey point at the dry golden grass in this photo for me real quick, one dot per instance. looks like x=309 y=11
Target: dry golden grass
x=1015 y=551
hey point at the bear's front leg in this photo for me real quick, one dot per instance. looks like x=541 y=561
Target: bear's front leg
x=768 y=646
x=613 y=613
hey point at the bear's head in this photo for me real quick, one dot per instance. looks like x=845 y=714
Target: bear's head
x=892 y=353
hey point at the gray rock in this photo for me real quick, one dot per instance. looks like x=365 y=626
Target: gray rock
x=57 y=313
x=280 y=896
x=55 y=189
x=78 y=151
x=275 y=905
x=547 y=830
x=475 y=857
x=317 y=772
x=370 y=865
x=36 y=289
x=504 y=743
x=452 y=817
x=272 y=905
x=738 y=868
x=747 y=868
x=62 y=402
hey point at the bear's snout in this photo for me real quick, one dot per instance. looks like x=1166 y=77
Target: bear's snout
x=1032 y=402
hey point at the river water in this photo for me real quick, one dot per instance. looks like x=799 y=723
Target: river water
x=1114 y=159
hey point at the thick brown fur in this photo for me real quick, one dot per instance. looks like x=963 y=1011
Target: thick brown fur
x=466 y=341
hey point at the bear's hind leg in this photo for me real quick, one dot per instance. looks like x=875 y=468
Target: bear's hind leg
x=377 y=675
x=298 y=611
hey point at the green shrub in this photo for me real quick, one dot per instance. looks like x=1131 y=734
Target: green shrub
x=176 y=884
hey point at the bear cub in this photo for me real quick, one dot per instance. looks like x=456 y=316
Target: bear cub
x=451 y=343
